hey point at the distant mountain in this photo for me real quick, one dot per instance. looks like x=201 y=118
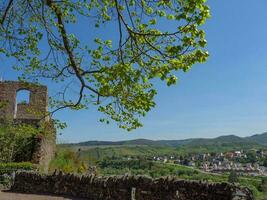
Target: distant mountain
x=140 y=142
x=228 y=139
x=260 y=139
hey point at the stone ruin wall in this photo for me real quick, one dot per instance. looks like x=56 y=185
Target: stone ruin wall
x=35 y=110
x=32 y=113
x=45 y=148
x=126 y=187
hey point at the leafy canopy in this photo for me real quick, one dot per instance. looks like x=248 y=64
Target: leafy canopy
x=154 y=40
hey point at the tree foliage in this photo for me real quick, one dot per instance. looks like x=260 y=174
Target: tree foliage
x=68 y=162
x=115 y=75
x=233 y=177
x=265 y=162
x=16 y=142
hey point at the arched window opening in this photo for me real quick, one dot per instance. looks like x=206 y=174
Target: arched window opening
x=22 y=98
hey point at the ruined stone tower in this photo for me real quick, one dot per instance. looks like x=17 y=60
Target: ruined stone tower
x=33 y=111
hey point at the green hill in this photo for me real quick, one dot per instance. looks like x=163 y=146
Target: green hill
x=150 y=148
x=141 y=142
x=222 y=140
x=219 y=144
x=228 y=140
x=259 y=138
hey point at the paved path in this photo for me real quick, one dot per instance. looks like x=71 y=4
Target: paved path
x=16 y=196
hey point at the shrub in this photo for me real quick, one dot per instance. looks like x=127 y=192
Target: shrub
x=16 y=142
x=68 y=161
x=8 y=168
x=232 y=178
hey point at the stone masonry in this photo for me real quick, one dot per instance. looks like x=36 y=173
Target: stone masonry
x=35 y=110
x=126 y=187
x=34 y=113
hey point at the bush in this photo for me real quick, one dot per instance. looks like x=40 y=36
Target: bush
x=265 y=162
x=232 y=178
x=68 y=162
x=5 y=181
x=16 y=142
x=8 y=168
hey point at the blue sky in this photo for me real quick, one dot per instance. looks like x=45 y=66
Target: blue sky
x=226 y=95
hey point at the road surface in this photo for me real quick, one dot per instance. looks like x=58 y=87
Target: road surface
x=17 y=196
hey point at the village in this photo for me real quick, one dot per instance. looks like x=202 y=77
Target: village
x=252 y=163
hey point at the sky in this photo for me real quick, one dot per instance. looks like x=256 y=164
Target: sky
x=226 y=95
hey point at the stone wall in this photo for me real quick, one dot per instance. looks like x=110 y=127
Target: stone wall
x=45 y=148
x=34 y=113
x=37 y=107
x=126 y=188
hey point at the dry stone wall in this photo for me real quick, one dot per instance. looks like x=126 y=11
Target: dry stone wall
x=126 y=187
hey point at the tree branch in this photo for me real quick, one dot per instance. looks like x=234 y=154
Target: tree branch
x=6 y=12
